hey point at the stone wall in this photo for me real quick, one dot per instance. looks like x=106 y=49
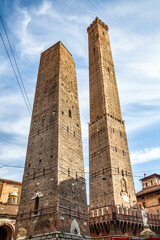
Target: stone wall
x=53 y=188
x=59 y=236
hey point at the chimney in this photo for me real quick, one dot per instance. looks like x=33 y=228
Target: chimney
x=144 y=174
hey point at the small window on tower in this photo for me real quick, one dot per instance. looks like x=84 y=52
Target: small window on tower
x=68 y=172
x=70 y=113
x=94 y=51
x=108 y=69
x=36 y=205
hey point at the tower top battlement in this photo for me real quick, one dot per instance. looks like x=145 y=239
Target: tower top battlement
x=96 y=21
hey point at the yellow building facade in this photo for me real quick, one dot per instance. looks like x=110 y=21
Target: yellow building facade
x=10 y=192
x=149 y=196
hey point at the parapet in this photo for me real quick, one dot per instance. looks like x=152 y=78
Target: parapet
x=96 y=21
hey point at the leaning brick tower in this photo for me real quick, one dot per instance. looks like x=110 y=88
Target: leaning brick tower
x=111 y=179
x=53 y=188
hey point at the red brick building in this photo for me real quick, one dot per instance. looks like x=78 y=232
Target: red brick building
x=113 y=204
x=10 y=192
x=149 y=196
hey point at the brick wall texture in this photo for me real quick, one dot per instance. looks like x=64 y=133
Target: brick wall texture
x=108 y=149
x=53 y=188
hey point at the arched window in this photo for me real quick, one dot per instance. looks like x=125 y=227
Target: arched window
x=36 y=205
x=124 y=185
x=70 y=113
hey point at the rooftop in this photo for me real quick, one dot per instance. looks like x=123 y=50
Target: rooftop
x=10 y=181
x=148 y=190
x=150 y=176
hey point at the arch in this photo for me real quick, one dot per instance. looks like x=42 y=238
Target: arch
x=101 y=227
x=6 y=231
x=140 y=228
x=122 y=227
x=95 y=227
x=106 y=227
x=91 y=229
x=124 y=185
x=129 y=227
x=74 y=227
x=135 y=229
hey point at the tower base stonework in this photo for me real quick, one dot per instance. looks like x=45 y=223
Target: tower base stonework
x=57 y=236
x=120 y=221
x=54 y=189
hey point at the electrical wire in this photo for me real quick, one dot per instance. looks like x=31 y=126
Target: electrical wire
x=16 y=63
x=11 y=166
x=77 y=172
x=15 y=74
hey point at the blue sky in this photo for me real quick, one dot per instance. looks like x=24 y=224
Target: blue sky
x=134 y=32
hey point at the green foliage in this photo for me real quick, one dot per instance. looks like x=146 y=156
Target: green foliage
x=84 y=236
x=63 y=232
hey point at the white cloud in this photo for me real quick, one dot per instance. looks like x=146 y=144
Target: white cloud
x=11 y=152
x=140 y=121
x=145 y=155
x=4 y=65
x=44 y=8
x=11 y=173
x=14 y=116
x=135 y=47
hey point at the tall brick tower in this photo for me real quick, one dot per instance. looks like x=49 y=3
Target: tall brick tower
x=111 y=179
x=53 y=189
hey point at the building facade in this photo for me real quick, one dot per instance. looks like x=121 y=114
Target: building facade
x=10 y=192
x=53 y=188
x=113 y=203
x=149 y=196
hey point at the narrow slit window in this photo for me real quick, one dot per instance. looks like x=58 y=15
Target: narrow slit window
x=70 y=113
x=36 y=205
x=34 y=175
x=68 y=172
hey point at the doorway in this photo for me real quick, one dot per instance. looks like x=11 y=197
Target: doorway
x=5 y=232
